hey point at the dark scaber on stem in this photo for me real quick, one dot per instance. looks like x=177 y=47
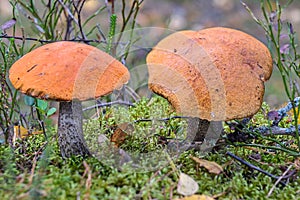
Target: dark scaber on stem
x=70 y=131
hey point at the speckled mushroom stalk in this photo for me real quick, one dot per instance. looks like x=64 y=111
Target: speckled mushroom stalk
x=68 y=72
x=215 y=74
x=70 y=132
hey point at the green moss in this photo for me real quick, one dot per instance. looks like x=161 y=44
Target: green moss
x=56 y=178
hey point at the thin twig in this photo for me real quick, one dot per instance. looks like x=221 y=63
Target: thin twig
x=132 y=29
x=101 y=33
x=112 y=7
x=72 y=40
x=88 y=182
x=49 y=41
x=256 y=168
x=68 y=11
x=161 y=119
x=109 y=104
x=30 y=179
x=132 y=93
x=78 y=11
x=125 y=20
x=275 y=130
x=282 y=112
x=278 y=180
x=282 y=148
x=22 y=38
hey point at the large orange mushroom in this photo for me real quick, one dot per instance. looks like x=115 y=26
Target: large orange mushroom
x=68 y=72
x=214 y=74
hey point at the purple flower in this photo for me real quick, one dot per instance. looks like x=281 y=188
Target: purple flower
x=284 y=36
x=291 y=28
x=8 y=24
x=285 y=49
x=273 y=16
x=273 y=115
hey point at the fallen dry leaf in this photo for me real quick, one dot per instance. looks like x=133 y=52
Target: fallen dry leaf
x=186 y=185
x=120 y=133
x=212 y=167
x=22 y=132
x=118 y=137
x=197 y=197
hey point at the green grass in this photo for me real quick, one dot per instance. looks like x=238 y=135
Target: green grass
x=35 y=170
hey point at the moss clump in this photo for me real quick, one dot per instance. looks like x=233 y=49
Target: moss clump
x=34 y=169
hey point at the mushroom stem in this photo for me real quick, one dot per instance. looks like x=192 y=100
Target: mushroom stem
x=70 y=133
x=200 y=129
x=197 y=128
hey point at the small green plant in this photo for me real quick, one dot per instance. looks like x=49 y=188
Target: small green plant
x=283 y=45
x=41 y=109
x=9 y=108
x=38 y=171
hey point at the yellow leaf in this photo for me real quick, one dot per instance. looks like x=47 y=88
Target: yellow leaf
x=197 y=197
x=291 y=113
x=21 y=132
x=212 y=167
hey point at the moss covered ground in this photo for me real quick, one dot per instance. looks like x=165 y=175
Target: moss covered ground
x=34 y=169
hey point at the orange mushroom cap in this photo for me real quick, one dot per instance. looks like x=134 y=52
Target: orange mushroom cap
x=64 y=71
x=214 y=74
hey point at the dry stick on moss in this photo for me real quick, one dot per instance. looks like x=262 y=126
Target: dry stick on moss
x=130 y=104
x=277 y=116
x=88 y=182
x=258 y=133
x=34 y=162
x=108 y=104
x=278 y=180
x=258 y=169
x=282 y=112
x=161 y=119
x=275 y=130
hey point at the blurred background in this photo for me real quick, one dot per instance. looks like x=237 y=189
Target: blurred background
x=188 y=14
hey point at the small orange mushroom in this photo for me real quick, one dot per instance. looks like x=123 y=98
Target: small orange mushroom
x=68 y=72
x=216 y=74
